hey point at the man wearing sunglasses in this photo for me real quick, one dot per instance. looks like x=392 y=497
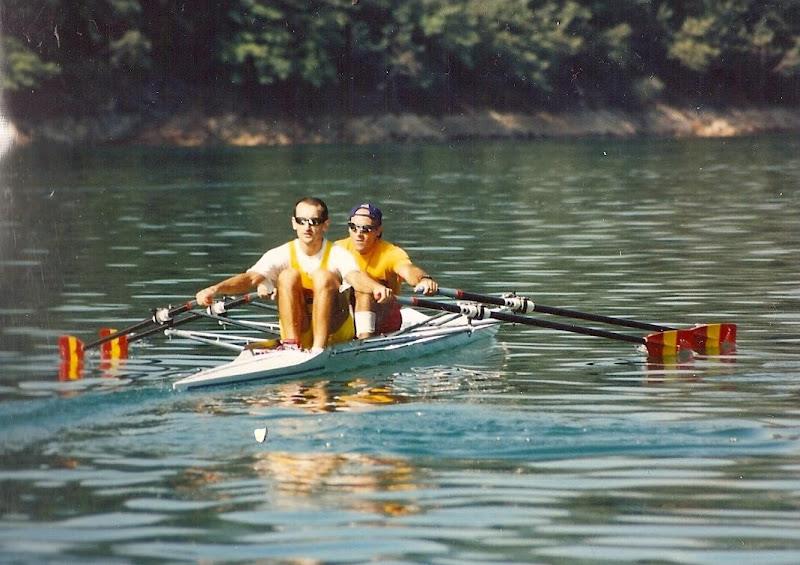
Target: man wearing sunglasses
x=384 y=262
x=306 y=274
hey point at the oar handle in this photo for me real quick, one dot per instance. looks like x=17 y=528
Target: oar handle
x=535 y=307
x=517 y=319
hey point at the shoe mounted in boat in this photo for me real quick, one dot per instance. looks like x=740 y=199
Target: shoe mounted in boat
x=288 y=345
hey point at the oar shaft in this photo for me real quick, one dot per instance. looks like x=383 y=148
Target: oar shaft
x=140 y=325
x=563 y=312
x=517 y=319
x=190 y=317
x=161 y=327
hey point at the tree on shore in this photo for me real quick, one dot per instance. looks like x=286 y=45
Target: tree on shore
x=295 y=57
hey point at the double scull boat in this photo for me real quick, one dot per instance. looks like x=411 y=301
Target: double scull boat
x=419 y=335
x=457 y=324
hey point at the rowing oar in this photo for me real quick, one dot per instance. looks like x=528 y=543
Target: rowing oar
x=115 y=343
x=658 y=345
x=71 y=347
x=704 y=338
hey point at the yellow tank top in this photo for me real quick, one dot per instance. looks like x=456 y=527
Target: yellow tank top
x=308 y=284
x=344 y=332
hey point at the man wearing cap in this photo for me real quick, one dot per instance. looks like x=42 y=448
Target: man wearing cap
x=306 y=273
x=385 y=263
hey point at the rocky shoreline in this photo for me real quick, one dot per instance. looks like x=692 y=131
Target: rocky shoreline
x=193 y=129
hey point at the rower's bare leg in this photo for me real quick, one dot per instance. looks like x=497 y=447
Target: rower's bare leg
x=325 y=307
x=291 y=304
x=365 y=303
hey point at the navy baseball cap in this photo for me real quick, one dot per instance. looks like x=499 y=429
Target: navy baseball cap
x=367 y=209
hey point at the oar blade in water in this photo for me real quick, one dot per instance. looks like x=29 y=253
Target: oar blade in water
x=71 y=350
x=669 y=344
x=714 y=339
x=116 y=348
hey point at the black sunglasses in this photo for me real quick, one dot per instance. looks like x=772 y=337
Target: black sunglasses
x=363 y=229
x=309 y=221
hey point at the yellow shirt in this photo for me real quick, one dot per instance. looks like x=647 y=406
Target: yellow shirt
x=294 y=263
x=381 y=263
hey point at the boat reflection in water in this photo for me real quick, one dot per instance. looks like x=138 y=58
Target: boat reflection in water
x=287 y=476
x=290 y=475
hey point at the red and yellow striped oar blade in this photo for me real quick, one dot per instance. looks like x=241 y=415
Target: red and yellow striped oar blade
x=668 y=344
x=116 y=348
x=71 y=351
x=714 y=339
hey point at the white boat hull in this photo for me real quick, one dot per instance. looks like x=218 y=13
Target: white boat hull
x=425 y=339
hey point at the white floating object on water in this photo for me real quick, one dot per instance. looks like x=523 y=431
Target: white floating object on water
x=261 y=434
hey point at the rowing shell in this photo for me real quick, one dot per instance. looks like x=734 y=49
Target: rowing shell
x=420 y=335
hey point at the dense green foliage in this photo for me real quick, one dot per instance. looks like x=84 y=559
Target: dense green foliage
x=301 y=56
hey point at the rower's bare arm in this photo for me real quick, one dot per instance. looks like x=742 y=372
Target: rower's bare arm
x=419 y=279
x=237 y=284
x=362 y=282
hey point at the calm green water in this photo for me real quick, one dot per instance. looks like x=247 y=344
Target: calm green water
x=539 y=447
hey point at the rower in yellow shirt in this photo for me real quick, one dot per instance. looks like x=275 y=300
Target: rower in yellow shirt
x=305 y=276
x=385 y=263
